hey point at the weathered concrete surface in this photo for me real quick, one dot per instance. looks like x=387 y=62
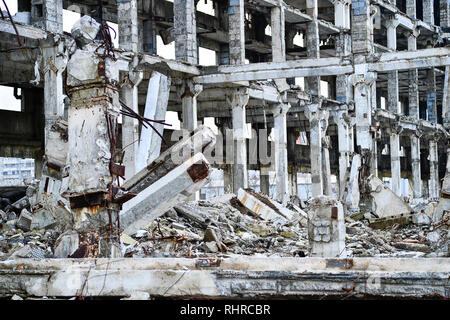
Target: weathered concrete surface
x=264 y=208
x=174 y=187
x=444 y=202
x=229 y=278
x=326 y=227
x=385 y=202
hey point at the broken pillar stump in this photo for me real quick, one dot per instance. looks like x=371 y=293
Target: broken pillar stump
x=326 y=228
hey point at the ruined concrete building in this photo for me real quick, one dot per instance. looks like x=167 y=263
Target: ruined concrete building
x=358 y=89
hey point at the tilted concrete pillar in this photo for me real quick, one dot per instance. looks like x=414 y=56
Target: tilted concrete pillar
x=395 y=162
x=127 y=14
x=185 y=31
x=236 y=25
x=428 y=11
x=47 y=14
x=155 y=108
x=293 y=181
x=434 y=170
x=278 y=34
x=281 y=161
x=238 y=99
x=318 y=122
x=415 y=165
x=130 y=126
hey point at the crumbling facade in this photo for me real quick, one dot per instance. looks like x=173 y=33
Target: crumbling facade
x=384 y=65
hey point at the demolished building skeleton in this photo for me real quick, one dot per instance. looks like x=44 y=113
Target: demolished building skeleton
x=359 y=70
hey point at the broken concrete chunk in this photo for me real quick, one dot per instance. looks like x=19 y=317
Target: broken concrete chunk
x=3 y=216
x=411 y=246
x=385 y=202
x=265 y=208
x=172 y=188
x=85 y=30
x=21 y=203
x=421 y=219
x=66 y=244
x=380 y=223
x=326 y=227
x=172 y=158
x=24 y=221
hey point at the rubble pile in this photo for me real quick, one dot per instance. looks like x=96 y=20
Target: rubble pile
x=224 y=226
x=216 y=227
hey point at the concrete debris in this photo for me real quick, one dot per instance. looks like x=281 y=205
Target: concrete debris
x=326 y=228
x=421 y=219
x=24 y=221
x=385 y=203
x=85 y=30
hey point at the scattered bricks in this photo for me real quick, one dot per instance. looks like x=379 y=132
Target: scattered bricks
x=24 y=221
x=380 y=223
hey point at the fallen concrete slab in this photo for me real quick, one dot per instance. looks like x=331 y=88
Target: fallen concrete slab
x=228 y=278
x=170 y=159
x=380 y=223
x=175 y=186
x=385 y=203
x=265 y=208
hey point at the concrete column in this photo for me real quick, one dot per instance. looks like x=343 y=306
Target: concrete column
x=344 y=90
x=185 y=31
x=278 y=34
x=431 y=96
x=155 y=108
x=339 y=14
x=228 y=179
x=149 y=29
x=326 y=228
x=413 y=91
x=395 y=162
x=444 y=6
x=415 y=165
x=434 y=170
x=362 y=29
x=428 y=11
x=127 y=15
x=391 y=25
x=189 y=93
x=264 y=180
x=93 y=114
x=293 y=181
x=281 y=160
x=318 y=121
x=446 y=99
x=47 y=15
x=236 y=31
x=411 y=8
x=312 y=84
x=344 y=140
x=238 y=100
x=54 y=66
x=374 y=157
x=130 y=126
x=326 y=169
x=362 y=82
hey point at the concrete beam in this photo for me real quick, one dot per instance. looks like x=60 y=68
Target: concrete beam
x=231 y=277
